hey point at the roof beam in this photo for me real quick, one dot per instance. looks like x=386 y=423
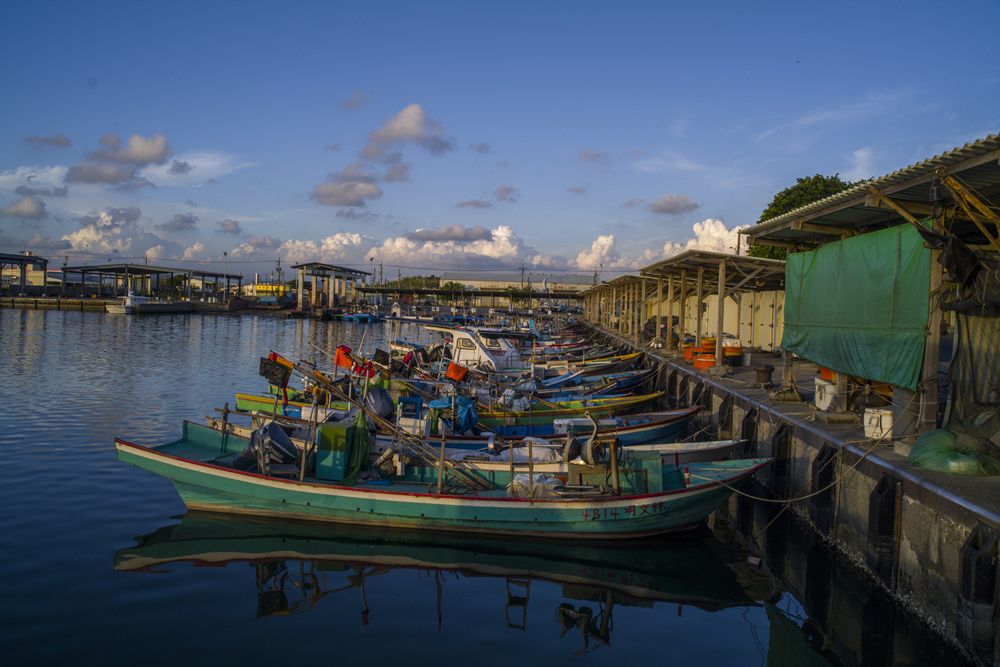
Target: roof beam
x=801 y=225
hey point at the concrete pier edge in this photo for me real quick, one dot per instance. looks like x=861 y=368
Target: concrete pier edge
x=909 y=530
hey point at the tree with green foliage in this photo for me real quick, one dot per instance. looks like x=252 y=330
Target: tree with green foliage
x=456 y=289
x=414 y=282
x=805 y=191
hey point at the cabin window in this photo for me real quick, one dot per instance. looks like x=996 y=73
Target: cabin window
x=465 y=344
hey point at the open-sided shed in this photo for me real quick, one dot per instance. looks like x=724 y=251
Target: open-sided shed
x=873 y=268
x=701 y=273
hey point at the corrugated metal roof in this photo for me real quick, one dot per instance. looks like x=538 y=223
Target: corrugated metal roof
x=976 y=163
x=743 y=273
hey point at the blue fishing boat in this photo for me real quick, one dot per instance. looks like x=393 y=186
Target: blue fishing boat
x=264 y=476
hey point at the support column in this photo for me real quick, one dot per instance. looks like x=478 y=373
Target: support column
x=301 y=285
x=630 y=302
x=700 y=296
x=640 y=311
x=683 y=307
x=312 y=299
x=720 y=313
x=659 y=305
x=615 y=326
x=670 y=312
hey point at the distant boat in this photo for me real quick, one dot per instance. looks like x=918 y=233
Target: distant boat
x=128 y=304
x=133 y=304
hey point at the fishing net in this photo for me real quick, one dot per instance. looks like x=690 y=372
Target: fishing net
x=938 y=450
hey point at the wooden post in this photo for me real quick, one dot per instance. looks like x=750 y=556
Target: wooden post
x=932 y=351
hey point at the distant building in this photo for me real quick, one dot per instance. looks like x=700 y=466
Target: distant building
x=23 y=272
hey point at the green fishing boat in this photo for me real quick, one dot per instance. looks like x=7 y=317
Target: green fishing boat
x=210 y=471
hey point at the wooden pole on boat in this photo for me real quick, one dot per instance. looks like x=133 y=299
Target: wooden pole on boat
x=615 y=481
x=510 y=455
x=441 y=462
x=311 y=442
x=531 y=470
x=225 y=426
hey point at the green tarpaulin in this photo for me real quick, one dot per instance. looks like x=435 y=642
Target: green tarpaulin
x=859 y=306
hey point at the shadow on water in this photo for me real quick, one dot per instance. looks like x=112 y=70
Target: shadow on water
x=841 y=616
x=296 y=566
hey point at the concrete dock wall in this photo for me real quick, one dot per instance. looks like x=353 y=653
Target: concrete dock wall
x=928 y=539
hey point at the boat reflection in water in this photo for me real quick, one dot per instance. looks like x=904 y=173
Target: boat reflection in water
x=299 y=564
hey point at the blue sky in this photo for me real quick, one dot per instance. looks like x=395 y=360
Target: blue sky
x=461 y=136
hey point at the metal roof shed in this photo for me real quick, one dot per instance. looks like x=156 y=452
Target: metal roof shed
x=954 y=191
x=335 y=277
x=721 y=274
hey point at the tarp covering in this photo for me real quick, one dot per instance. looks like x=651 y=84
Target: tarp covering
x=975 y=367
x=466 y=414
x=859 y=306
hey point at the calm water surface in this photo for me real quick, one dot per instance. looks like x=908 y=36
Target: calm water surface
x=103 y=566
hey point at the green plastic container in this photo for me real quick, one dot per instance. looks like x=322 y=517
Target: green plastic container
x=333 y=451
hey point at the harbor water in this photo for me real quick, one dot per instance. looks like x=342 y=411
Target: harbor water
x=102 y=565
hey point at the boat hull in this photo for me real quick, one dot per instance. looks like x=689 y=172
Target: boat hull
x=540 y=420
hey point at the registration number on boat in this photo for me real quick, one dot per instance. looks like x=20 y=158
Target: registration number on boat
x=631 y=511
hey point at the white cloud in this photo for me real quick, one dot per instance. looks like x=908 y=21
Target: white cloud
x=201 y=167
x=709 y=234
x=350 y=187
x=337 y=247
x=28 y=208
x=355 y=101
x=673 y=204
x=93 y=172
x=50 y=178
x=139 y=151
x=411 y=125
x=590 y=155
x=862 y=164
x=849 y=113
x=195 y=252
x=116 y=232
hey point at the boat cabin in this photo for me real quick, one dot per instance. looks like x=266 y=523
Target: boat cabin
x=481 y=347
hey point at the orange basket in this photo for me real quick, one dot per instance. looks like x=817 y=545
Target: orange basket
x=703 y=361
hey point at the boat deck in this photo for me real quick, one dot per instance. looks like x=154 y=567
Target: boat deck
x=643 y=471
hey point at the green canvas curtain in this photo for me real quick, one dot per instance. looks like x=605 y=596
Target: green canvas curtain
x=860 y=306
